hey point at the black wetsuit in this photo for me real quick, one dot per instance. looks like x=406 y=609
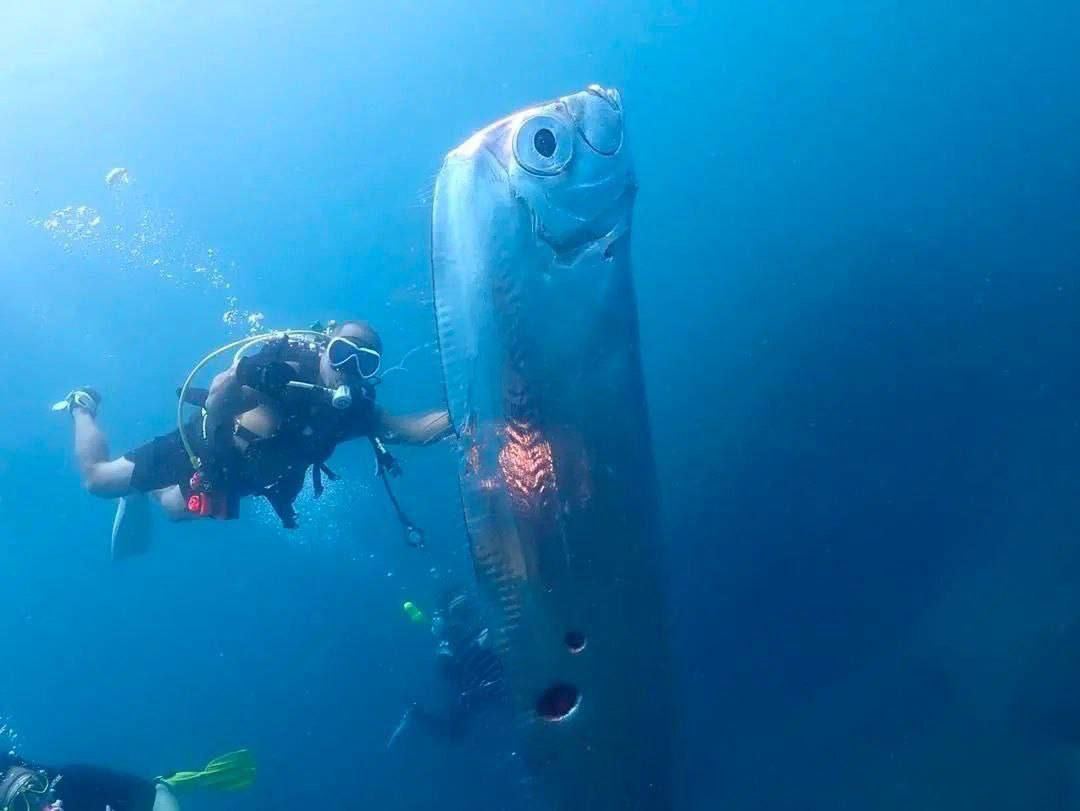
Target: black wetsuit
x=88 y=788
x=275 y=466
x=163 y=461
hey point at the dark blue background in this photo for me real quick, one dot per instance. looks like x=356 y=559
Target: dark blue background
x=855 y=253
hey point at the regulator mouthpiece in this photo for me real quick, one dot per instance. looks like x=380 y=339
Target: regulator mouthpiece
x=341 y=397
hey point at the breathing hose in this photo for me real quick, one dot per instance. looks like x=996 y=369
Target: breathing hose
x=240 y=346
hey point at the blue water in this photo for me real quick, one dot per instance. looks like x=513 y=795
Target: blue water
x=855 y=248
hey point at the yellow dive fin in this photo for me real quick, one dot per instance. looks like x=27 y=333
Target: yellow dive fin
x=229 y=772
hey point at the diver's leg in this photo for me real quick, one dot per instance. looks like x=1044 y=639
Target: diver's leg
x=108 y=478
x=173 y=503
x=157 y=469
x=164 y=799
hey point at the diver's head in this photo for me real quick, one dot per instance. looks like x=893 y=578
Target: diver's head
x=353 y=354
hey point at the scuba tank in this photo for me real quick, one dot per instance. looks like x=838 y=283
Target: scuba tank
x=20 y=781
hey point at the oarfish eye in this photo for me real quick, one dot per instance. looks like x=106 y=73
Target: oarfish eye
x=543 y=145
x=544 y=141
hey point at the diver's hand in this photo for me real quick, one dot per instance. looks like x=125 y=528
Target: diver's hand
x=269 y=378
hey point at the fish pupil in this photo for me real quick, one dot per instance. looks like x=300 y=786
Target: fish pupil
x=544 y=141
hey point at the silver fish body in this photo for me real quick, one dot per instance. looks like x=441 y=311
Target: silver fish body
x=538 y=332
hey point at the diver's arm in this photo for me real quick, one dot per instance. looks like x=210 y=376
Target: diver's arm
x=227 y=399
x=425 y=428
x=226 y=393
x=239 y=388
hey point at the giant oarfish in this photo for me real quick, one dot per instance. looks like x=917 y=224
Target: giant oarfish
x=538 y=332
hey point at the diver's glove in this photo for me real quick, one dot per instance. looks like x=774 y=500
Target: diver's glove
x=85 y=398
x=269 y=378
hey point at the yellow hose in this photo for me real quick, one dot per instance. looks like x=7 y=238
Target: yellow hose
x=241 y=345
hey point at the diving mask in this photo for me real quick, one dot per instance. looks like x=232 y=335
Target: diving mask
x=346 y=353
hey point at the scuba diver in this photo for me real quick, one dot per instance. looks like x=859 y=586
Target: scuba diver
x=263 y=423
x=470 y=672
x=28 y=786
